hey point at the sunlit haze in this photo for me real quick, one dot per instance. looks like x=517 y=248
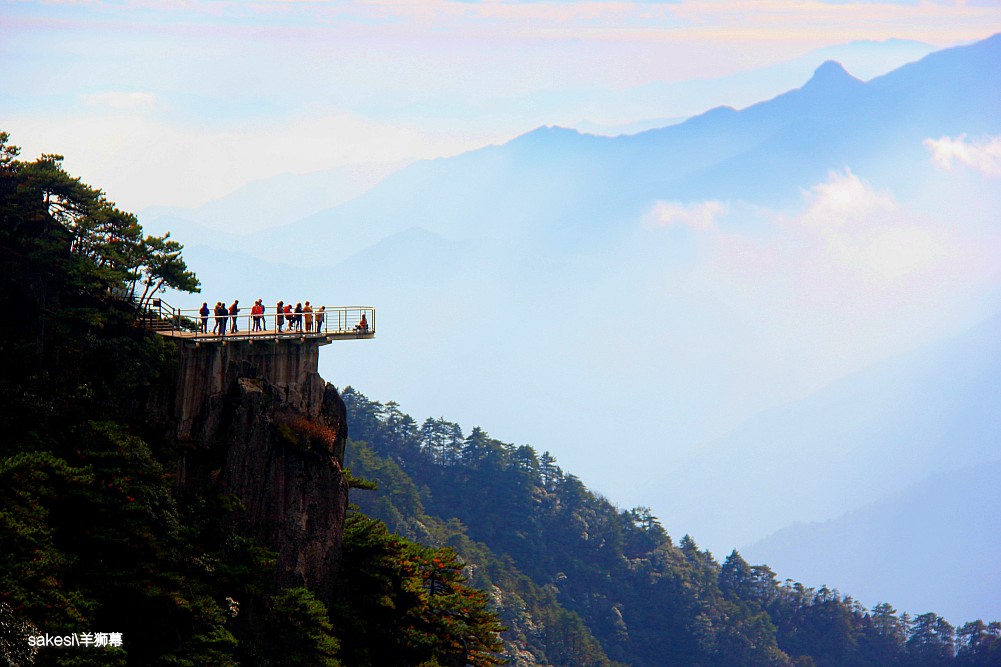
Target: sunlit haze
x=179 y=103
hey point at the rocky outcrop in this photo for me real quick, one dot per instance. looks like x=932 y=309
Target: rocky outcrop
x=258 y=419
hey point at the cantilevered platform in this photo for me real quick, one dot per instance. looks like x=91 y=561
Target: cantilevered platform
x=319 y=326
x=266 y=335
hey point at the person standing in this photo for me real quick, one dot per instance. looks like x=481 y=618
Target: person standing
x=289 y=317
x=234 y=310
x=255 y=313
x=204 y=312
x=320 y=314
x=279 y=316
x=307 y=312
x=298 y=316
x=220 y=319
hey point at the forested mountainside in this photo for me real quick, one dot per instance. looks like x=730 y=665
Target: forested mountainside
x=560 y=559
x=104 y=545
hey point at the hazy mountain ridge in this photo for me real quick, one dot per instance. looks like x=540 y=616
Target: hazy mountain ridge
x=866 y=59
x=890 y=422
x=762 y=153
x=943 y=525
x=271 y=202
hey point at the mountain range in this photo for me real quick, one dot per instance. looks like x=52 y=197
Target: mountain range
x=942 y=526
x=775 y=297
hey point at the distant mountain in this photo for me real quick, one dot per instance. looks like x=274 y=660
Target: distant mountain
x=860 y=440
x=865 y=59
x=271 y=202
x=934 y=545
x=553 y=182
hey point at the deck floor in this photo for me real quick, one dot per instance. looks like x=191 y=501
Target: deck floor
x=266 y=335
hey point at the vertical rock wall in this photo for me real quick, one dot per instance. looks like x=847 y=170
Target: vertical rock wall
x=208 y=370
x=260 y=421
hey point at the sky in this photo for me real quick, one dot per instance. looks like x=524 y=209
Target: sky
x=181 y=102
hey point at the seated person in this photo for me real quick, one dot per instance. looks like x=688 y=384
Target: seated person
x=362 y=326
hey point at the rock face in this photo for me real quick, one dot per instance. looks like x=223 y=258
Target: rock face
x=260 y=421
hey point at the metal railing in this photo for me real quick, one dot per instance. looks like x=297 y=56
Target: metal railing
x=158 y=315
x=321 y=321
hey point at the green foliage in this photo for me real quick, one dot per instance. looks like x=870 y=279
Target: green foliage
x=979 y=644
x=93 y=537
x=408 y=604
x=576 y=578
x=31 y=564
x=70 y=231
x=296 y=631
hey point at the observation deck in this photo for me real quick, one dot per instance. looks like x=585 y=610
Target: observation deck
x=322 y=326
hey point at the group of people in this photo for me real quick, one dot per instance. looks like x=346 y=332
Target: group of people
x=224 y=317
x=300 y=318
x=297 y=318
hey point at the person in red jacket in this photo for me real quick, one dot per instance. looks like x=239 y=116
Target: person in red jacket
x=255 y=312
x=234 y=310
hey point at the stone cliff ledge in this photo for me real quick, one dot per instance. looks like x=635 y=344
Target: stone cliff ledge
x=258 y=419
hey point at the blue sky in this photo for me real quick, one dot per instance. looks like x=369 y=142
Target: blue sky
x=182 y=102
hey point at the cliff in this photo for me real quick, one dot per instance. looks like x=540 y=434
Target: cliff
x=258 y=419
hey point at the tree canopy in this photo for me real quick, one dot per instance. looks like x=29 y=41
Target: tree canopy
x=600 y=584
x=50 y=212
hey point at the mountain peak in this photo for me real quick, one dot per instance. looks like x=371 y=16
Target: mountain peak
x=831 y=72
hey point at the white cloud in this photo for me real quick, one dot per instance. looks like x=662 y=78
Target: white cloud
x=983 y=156
x=860 y=231
x=843 y=199
x=701 y=216
x=850 y=274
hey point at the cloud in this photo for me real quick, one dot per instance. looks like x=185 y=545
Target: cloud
x=847 y=237
x=842 y=199
x=851 y=273
x=859 y=230
x=700 y=216
x=983 y=156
